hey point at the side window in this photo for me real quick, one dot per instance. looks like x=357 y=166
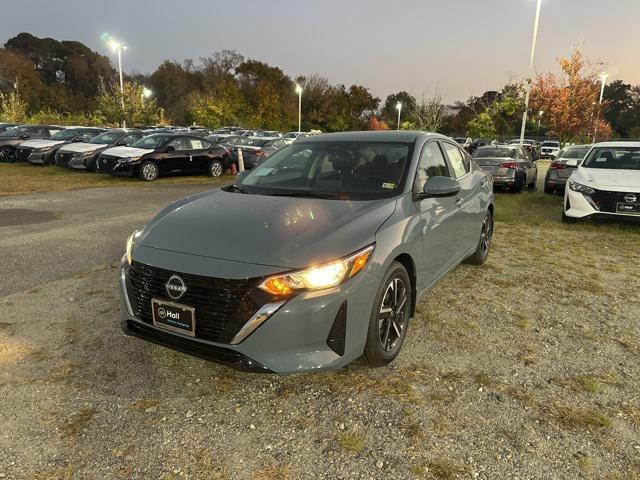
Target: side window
x=179 y=144
x=457 y=160
x=129 y=139
x=86 y=136
x=198 y=144
x=432 y=164
x=40 y=132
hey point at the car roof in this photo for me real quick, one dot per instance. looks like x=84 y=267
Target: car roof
x=404 y=136
x=618 y=144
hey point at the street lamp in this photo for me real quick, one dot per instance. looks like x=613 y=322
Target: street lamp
x=146 y=92
x=603 y=79
x=531 y=57
x=299 y=92
x=540 y=113
x=399 y=107
x=118 y=48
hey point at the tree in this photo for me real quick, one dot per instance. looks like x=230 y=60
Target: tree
x=17 y=67
x=482 y=126
x=622 y=109
x=138 y=110
x=12 y=108
x=389 y=112
x=375 y=124
x=172 y=85
x=361 y=106
x=225 y=106
x=429 y=114
x=570 y=101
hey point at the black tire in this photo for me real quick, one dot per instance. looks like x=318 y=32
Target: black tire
x=216 y=168
x=149 y=171
x=484 y=242
x=519 y=183
x=534 y=182
x=387 y=330
x=7 y=154
x=566 y=219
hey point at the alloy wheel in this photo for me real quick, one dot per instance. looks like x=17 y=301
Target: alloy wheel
x=150 y=171
x=392 y=318
x=6 y=155
x=216 y=169
x=485 y=235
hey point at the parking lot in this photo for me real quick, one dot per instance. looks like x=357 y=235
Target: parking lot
x=526 y=367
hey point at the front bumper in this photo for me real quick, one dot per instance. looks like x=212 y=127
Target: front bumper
x=578 y=205
x=296 y=338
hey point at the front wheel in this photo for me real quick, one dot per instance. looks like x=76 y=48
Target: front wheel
x=390 y=317
x=149 y=171
x=7 y=154
x=482 y=250
x=216 y=168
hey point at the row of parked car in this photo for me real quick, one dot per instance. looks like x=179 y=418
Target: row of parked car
x=145 y=153
x=537 y=150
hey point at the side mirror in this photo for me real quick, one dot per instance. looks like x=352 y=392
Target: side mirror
x=25 y=136
x=572 y=162
x=436 y=187
x=170 y=149
x=241 y=175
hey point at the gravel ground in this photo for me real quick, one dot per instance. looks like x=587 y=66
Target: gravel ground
x=525 y=368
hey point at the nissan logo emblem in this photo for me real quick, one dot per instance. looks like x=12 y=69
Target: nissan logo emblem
x=175 y=287
x=631 y=198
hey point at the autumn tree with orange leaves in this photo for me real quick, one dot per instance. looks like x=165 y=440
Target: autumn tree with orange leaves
x=570 y=102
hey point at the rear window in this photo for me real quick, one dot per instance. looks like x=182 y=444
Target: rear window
x=499 y=152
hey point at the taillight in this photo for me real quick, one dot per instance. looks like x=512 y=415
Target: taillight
x=509 y=165
x=557 y=166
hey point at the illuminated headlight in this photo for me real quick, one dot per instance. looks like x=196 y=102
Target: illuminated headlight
x=578 y=187
x=130 y=243
x=318 y=277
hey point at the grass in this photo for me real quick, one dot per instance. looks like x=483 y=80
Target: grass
x=273 y=471
x=351 y=442
x=440 y=470
x=578 y=417
x=76 y=423
x=22 y=178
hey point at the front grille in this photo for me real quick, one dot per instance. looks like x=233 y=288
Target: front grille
x=22 y=154
x=607 y=201
x=63 y=158
x=105 y=163
x=222 y=306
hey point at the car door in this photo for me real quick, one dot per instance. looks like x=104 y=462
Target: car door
x=468 y=201
x=527 y=165
x=200 y=155
x=437 y=218
x=176 y=156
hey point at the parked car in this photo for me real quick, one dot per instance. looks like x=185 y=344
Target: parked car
x=162 y=154
x=82 y=156
x=510 y=166
x=253 y=149
x=477 y=143
x=312 y=259
x=549 y=149
x=531 y=146
x=12 y=137
x=559 y=171
x=605 y=185
x=295 y=135
x=43 y=151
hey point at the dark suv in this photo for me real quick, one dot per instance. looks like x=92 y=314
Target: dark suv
x=163 y=153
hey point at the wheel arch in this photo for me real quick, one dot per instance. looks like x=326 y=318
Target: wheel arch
x=407 y=262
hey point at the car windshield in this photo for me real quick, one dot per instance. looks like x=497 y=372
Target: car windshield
x=551 y=144
x=614 y=158
x=343 y=170
x=107 y=138
x=67 y=134
x=573 y=152
x=252 y=142
x=499 y=152
x=15 y=131
x=151 y=142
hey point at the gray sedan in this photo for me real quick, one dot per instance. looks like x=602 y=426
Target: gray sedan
x=559 y=171
x=510 y=165
x=310 y=260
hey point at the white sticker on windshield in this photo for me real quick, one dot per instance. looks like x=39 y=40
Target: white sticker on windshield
x=390 y=186
x=263 y=172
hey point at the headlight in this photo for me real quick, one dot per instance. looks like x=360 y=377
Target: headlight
x=578 y=187
x=45 y=149
x=130 y=243
x=126 y=160
x=318 y=277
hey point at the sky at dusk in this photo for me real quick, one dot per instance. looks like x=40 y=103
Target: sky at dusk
x=462 y=47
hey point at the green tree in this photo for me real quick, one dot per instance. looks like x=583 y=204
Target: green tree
x=138 y=110
x=389 y=112
x=622 y=107
x=429 y=114
x=225 y=106
x=482 y=126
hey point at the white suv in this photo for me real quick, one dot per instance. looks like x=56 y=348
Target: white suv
x=549 y=149
x=606 y=184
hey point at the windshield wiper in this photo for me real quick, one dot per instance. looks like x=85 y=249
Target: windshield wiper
x=302 y=194
x=239 y=189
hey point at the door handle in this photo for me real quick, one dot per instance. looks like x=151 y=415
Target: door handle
x=459 y=201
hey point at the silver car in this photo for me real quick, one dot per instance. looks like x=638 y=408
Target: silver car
x=510 y=165
x=313 y=258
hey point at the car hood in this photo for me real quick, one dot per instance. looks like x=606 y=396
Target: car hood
x=124 y=152
x=40 y=143
x=83 y=147
x=283 y=232
x=608 y=179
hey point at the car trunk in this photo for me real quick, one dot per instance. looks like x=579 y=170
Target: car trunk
x=562 y=169
x=493 y=164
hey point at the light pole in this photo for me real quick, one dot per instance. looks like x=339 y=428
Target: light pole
x=540 y=113
x=399 y=107
x=532 y=56
x=603 y=80
x=117 y=48
x=299 y=92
